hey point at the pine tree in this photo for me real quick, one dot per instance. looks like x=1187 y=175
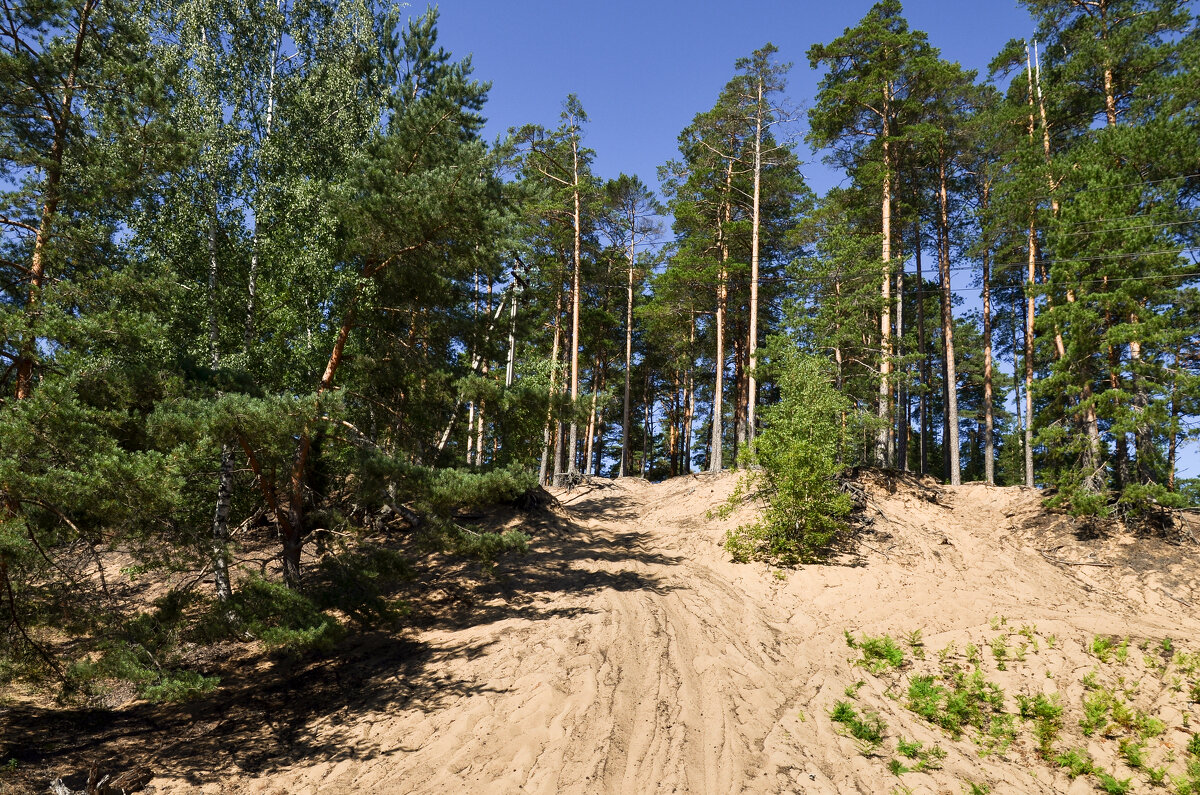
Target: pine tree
x=863 y=105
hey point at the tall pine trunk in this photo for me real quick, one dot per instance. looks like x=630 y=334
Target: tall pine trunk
x=714 y=460
x=885 y=317
x=989 y=447
x=923 y=351
x=623 y=468
x=752 y=385
x=575 y=285
x=950 y=387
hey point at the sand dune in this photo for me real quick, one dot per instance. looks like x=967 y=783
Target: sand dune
x=627 y=654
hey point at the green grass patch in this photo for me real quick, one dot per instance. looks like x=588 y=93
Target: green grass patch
x=868 y=729
x=880 y=653
x=1076 y=761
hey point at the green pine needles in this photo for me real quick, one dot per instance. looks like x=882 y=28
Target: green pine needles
x=797 y=465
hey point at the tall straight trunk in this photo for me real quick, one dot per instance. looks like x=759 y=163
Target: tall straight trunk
x=51 y=187
x=1142 y=442
x=840 y=373
x=901 y=390
x=1121 y=451
x=752 y=347
x=252 y=282
x=1018 y=308
x=1173 y=428
x=622 y=471
x=691 y=398
x=1030 y=309
x=220 y=522
x=950 y=440
x=474 y=353
x=224 y=502
x=923 y=407
x=714 y=460
x=598 y=445
x=575 y=284
x=479 y=422
x=544 y=469
x=989 y=448
x=561 y=453
x=1091 y=426
x=739 y=395
x=646 y=420
x=591 y=426
x=673 y=426
x=885 y=315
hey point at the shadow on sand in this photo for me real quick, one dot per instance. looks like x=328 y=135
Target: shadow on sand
x=259 y=719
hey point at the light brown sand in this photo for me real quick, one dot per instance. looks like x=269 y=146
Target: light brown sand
x=648 y=662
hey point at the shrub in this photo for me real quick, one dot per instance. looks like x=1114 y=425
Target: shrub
x=797 y=455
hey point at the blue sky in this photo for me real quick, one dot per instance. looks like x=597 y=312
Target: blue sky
x=643 y=69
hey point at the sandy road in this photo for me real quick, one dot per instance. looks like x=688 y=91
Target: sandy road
x=627 y=654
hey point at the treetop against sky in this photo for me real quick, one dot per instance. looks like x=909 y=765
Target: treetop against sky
x=644 y=69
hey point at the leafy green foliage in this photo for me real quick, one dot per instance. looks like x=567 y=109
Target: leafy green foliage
x=1046 y=713
x=797 y=455
x=1077 y=762
x=962 y=701
x=868 y=728
x=878 y=653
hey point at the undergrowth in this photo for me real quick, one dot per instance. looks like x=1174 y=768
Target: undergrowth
x=1118 y=709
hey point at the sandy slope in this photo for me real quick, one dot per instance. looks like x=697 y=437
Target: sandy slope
x=627 y=654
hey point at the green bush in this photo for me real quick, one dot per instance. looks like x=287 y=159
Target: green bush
x=281 y=617
x=796 y=453
x=355 y=583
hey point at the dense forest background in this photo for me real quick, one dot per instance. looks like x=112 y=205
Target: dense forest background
x=260 y=267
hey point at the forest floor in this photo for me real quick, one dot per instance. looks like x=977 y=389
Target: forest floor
x=626 y=653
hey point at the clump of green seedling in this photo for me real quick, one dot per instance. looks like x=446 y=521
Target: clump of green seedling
x=867 y=729
x=1000 y=652
x=916 y=643
x=1113 y=785
x=1133 y=752
x=1076 y=761
x=1102 y=647
x=1046 y=714
x=926 y=758
x=880 y=653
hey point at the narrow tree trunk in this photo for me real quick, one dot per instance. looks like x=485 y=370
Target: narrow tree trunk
x=591 y=426
x=647 y=419
x=1142 y=442
x=715 y=464
x=923 y=407
x=624 y=466
x=575 y=279
x=252 y=282
x=752 y=386
x=27 y=349
x=544 y=469
x=1121 y=452
x=989 y=449
x=951 y=385
x=901 y=458
x=885 y=316
x=739 y=396
x=691 y=398
x=1018 y=307
x=1173 y=428
x=220 y=522
x=673 y=434
x=598 y=446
